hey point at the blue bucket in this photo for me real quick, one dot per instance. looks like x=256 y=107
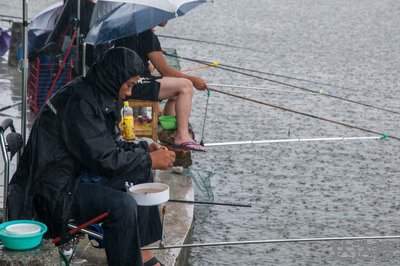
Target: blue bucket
x=21 y=241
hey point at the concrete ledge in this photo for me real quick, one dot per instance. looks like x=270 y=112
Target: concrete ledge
x=44 y=255
x=178 y=219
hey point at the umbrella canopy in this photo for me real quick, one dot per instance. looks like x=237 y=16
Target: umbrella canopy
x=46 y=19
x=5 y=39
x=113 y=19
x=42 y=24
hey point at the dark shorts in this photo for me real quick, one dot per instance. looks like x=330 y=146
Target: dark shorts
x=148 y=90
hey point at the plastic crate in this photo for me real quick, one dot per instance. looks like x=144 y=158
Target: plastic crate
x=47 y=74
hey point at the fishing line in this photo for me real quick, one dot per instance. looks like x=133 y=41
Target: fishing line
x=205 y=117
x=221 y=66
x=307 y=114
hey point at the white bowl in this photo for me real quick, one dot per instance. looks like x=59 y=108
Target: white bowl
x=150 y=194
x=23 y=229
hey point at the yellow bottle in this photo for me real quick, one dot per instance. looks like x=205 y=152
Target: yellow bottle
x=128 y=122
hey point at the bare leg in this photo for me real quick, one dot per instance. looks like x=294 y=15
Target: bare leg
x=182 y=90
x=169 y=108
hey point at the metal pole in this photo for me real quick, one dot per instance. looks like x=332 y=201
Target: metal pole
x=6 y=174
x=95 y=235
x=210 y=203
x=273 y=241
x=162 y=226
x=78 y=228
x=84 y=59
x=78 y=32
x=290 y=140
x=24 y=68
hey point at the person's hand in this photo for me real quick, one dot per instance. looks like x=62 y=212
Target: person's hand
x=155 y=146
x=162 y=159
x=199 y=83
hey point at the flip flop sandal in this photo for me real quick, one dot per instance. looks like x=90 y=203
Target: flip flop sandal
x=151 y=262
x=189 y=146
x=191 y=132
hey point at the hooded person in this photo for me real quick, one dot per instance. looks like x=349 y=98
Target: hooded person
x=74 y=167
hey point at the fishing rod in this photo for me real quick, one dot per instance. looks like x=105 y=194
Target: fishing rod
x=257 y=88
x=223 y=67
x=252 y=242
x=253 y=70
x=190 y=69
x=213 y=43
x=210 y=203
x=269 y=141
x=306 y=114
x=129 y=185
x=273 y=241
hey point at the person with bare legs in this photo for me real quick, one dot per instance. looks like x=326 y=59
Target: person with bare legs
x=174 y=86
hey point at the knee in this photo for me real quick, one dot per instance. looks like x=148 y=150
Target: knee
x=186 y=86
x=128 y=203
x=125 y=207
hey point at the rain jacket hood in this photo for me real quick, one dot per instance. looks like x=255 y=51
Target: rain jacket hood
x=116 y=67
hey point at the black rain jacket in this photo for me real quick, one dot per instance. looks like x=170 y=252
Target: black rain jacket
x=75 y=130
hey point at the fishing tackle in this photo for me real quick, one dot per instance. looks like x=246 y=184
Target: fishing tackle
x=273 y=241
x=269 y=141
x=307 y=114
x=225 y=67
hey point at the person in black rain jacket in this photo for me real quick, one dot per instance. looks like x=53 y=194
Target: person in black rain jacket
x=73 y=166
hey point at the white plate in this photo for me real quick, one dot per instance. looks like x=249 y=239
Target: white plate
x=23 y=229
x=150 y=194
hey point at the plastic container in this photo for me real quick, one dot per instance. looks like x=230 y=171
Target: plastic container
x=150 y=194
x=23 y=229
x=128 y=122
x=167 y=122
x=22 y=234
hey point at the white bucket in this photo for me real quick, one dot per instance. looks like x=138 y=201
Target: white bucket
x=150 y=194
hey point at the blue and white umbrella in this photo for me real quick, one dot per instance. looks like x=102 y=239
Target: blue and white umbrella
x=113 y=19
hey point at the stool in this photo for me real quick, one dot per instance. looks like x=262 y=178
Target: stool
x=141 y=131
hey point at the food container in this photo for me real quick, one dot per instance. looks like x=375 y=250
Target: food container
x=22 y=234
x=150 y=194
x=22 y=229
x=167 y=122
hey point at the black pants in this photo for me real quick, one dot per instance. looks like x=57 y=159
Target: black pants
x=148 y=90
x=128 y=226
